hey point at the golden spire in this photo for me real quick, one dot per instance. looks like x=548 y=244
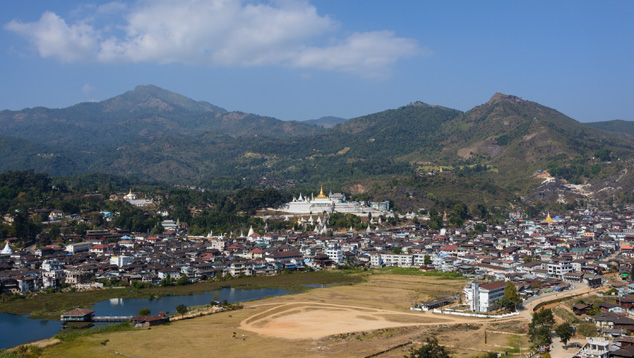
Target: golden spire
x=548 y=218
x=130 y=193
x=321 y=194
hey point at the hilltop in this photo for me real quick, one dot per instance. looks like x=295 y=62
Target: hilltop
x=489 y=153
x=145 y=113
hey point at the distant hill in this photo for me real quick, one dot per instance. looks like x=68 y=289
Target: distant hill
x=617 y=126
x=146 y=113
x=489 y=153
x=326 y=122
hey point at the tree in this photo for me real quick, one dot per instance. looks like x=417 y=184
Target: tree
x=430 y=350
x=593 y=311
x=181 y=309
x=565 y=332
x=482 y=211
x=427 y=260
x=480 y=228
x=540 y=327
x=603 y=155
x=458 y=215
x=182 y=281
x=511 y=299
x=145 y=312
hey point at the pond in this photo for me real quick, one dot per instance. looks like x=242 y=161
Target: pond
x=17 y=329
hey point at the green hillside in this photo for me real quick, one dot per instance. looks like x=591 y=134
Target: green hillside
x=487 y=154
x=617 y=126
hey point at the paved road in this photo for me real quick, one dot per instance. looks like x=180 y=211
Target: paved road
x=529 y=304
x=558 y=351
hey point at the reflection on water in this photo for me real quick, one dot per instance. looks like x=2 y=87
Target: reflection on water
x=15 y=330
x=19 y=329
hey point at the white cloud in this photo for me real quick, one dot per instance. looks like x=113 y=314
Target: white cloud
x=215 y=33
x=367 y=54
x=52 y=37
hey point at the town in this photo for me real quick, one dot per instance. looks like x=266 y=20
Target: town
x=587 y=247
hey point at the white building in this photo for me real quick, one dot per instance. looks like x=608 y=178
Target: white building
x=558 y=267
x=7 y=250
x=335 y=254
x=121 y=260
x=52 y=273
x=596 y=348
x=132 y=199
x=485 y=297
x=329 y=204
x=400 y=260
x=78 y=247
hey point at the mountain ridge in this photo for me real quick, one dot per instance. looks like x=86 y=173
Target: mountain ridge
x=156 y=133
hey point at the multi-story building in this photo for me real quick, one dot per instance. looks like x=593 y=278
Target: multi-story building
x=559 y=266
x=484 y=297
x=335 y=254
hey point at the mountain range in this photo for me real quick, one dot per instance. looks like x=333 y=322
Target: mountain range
x=498 y=151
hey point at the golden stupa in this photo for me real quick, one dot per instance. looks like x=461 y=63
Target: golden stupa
x=549 y=219
x=321 y=194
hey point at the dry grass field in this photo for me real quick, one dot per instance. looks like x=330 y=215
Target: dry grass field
x=342 y=321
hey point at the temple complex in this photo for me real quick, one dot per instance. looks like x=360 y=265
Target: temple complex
x=333 y=203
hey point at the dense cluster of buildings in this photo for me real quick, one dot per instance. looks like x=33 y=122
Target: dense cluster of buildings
x=533 y=255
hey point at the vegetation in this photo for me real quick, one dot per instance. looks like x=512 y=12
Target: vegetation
x=70 y=335
x=181 y=309
x=431 y=349
x=415 y=271
x=587 y=329
x=479 y=149
x=23 y=351
x=541 y=326
x=565 y=332
x=511 y=298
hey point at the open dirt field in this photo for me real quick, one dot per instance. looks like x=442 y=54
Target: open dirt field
x=318 y=320
x=343 y=321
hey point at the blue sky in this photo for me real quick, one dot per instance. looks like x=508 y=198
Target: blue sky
x=298 y=60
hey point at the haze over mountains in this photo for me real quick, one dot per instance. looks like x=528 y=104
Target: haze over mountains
x=155 y=133
x=326 y=122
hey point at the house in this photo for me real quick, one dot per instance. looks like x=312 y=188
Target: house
x=626 y=352
x=77 y=315
x=284 y=256
x=596 y=348
x=142 y=321
x=612 y=320
x=580 y=308
x=78 y=247
x=610 y=307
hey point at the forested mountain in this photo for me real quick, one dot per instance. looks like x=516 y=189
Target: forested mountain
x=146 y=113
x=490 y=152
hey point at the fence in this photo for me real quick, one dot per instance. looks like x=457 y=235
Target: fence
x=479 y=315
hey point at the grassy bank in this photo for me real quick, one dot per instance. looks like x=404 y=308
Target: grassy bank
x=50 y=306
x=417 y=272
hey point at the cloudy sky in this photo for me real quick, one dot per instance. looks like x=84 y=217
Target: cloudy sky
x=298 y=60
